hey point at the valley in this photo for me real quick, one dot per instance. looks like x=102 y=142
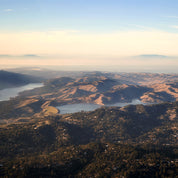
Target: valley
x=125 y=123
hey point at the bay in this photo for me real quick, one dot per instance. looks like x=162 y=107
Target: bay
x=7 y=93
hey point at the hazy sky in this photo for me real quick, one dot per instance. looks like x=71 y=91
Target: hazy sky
x=90 y=32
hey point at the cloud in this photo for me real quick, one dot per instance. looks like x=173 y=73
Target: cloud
x=87 y=48
x=145 y=28
x=175 y=26
x=121 y=43
x=80 y=48
x=8 y=10
x=175 y=17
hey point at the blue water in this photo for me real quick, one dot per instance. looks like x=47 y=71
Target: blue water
x=73 y=108
x=7 y=93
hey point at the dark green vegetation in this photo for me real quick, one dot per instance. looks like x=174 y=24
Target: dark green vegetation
x=12 y=109
x=95 y=160
x=134 y=141
x=11 y=79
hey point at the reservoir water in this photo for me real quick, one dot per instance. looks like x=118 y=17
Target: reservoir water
x=7 y=93
x=72 y=108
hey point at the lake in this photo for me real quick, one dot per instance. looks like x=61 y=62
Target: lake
x=72 y=108
x=7 y=93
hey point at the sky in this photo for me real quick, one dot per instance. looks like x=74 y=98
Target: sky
x=119 y=35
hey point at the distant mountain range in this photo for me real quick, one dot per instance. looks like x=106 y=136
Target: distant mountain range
x=153 y=56
x=19 y=56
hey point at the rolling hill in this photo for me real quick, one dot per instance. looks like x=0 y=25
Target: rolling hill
x=131 y=141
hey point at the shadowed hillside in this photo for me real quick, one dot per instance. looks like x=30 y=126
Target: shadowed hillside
x=134 y=141
x=10 y=79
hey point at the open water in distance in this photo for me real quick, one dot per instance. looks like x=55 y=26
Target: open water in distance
x=7 y=93
x=73 y=108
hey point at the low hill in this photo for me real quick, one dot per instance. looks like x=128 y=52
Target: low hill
x=134 y=141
